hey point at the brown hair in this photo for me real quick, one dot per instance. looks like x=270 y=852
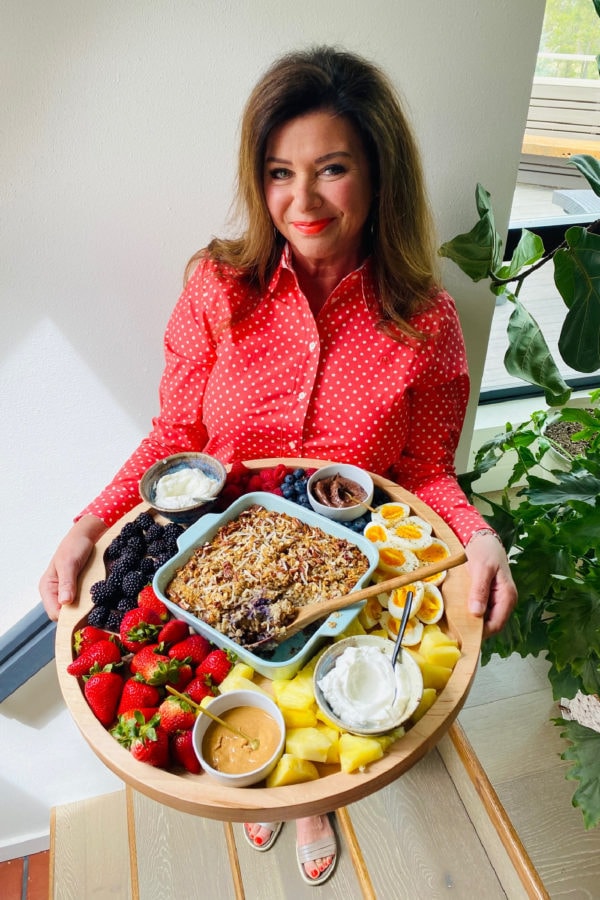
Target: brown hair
x=400 y=233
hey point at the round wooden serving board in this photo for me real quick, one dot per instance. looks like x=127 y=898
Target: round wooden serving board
x=198 y=794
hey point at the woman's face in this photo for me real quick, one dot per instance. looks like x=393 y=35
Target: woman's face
x=318 y=189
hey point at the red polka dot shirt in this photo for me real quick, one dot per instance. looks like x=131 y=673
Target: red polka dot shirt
x=281 y=383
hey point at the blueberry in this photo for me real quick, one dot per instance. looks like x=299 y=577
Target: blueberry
x=298 y=473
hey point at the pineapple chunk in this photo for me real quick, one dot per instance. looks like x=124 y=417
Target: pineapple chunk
x=332 y=734
x=299 y=718
x=435 y=676
x=295 y=694
x=444 y=655
x=386 y=740
x=235 y=682
x=379 y=632
x=416 y=655
x=433 y=639
x=290 y=770
x=322 y=717
x=427 y=701
x=242 y=669
x=307 y=743
x=357 y=751
x=370 y=613
x=353 y=628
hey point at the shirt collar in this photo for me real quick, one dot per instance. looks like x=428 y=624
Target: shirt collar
x=365 y=271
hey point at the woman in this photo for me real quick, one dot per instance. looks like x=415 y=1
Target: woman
x=321 y=332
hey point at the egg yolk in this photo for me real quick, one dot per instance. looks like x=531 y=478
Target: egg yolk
x=375 y=533
x=433 y=553
x=391 y=556
x=390 y=511
x=409 y=532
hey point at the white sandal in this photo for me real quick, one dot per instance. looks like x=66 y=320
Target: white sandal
x=275 y=828
x=327 y=846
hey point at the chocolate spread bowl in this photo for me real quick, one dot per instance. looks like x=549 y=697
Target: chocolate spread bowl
x=333 y=491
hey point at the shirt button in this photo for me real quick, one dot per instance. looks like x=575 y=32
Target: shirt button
x=312 y=345
x=301 y=395
x=292 y=445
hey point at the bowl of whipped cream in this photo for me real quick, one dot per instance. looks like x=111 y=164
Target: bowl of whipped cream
x=184 y=486
x=357 y=689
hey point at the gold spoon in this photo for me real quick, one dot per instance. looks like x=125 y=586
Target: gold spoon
x=254 y=742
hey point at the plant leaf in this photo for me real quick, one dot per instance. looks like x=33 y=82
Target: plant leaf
x=478 y=251
x=577 y=277
x=528 y=357
x=527 y=252
x=566 y=488
x=589 y=167
x=584 y=753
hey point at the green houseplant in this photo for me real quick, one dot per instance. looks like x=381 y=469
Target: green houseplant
x=550 y=526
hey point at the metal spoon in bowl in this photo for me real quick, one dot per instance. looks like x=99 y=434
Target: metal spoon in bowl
x=397 y=651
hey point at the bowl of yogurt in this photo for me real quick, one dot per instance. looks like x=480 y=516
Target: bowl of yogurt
x=184 y=486
x=359 y=692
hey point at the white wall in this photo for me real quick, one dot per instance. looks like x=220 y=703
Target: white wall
x=117 y=159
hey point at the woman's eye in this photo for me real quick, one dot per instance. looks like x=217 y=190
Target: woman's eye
x=333 y=169
x=279 y=174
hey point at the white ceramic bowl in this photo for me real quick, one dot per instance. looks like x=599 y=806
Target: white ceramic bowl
x=210 y=466
x=231 y=700
x=346 y=513
x=409 y=671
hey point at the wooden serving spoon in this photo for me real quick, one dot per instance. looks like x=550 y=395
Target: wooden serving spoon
x=314 y=611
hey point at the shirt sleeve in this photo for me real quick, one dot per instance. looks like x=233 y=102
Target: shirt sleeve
x=437 y=402
x=189 y=357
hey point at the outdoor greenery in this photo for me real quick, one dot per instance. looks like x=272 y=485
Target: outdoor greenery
x=570 y=26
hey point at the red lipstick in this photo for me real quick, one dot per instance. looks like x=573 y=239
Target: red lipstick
x=312 y=227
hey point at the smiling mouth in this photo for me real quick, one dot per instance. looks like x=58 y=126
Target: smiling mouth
x=312 y=227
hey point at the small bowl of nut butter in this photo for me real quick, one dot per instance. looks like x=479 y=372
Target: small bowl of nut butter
x=340 y=491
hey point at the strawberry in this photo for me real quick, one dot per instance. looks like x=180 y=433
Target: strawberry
x=139 y=627
x=147 y=599
x=194 y=648
x=154 y=667
x=102 y=653
x=216 y=665
x=199 y=688
x=87 y=636
x=136 y=695
x=173 y=631
x=183 y=753
x=102 y=690
x=130 y=714
x=145 y=740
x=176 y=715
x=183 y=677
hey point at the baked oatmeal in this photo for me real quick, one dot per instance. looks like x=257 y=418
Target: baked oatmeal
x=249 y=580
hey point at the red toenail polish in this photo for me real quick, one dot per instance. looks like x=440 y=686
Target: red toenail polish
x=258 y=840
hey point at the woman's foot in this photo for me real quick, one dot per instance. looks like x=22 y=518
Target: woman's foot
x=315 y=836
x=262 y=835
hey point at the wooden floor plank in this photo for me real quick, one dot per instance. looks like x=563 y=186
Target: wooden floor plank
x=89 y=849
x=179 y=855
x=418 y=841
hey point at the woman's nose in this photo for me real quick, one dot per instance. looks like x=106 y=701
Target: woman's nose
x=307 y=195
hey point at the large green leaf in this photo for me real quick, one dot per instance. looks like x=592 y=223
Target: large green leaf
x=577 y=277
x=478 y=251
x=584 y=753
x=527 y=252
x=567 y=487
x=589 y=167
x=528 y=356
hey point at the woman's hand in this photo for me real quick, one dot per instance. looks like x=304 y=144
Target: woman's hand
x=58 y=584
x=493 y=593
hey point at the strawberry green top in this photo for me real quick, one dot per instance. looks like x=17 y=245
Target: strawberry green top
x=279 y=382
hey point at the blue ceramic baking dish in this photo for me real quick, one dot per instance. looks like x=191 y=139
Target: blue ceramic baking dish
x=290 y=655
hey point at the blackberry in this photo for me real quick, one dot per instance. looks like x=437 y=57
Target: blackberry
x=172 y=531
x=113 y=622
x=132 y=584
x=147 y=567
x=98 y=616
x=131 y=529
x=154 y=533
x=171 y=547
x=157 y=548
x=101 y=594
x=115 y=548
x=126 y=604
x=124 y=564
x=136 y=545
x=145 y=521
x=161 y=560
